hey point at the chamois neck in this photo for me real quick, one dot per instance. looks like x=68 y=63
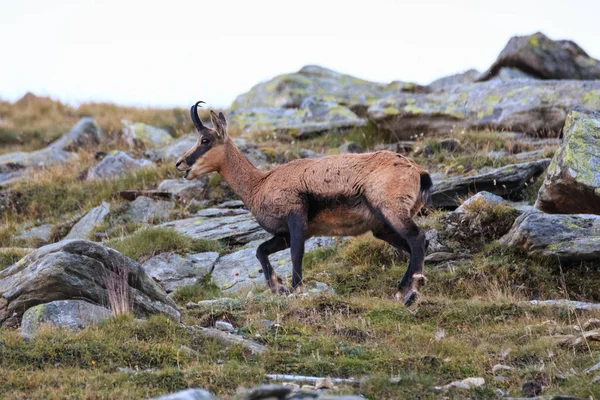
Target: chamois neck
x=239 y=173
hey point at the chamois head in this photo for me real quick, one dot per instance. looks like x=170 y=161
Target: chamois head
x=205 y=156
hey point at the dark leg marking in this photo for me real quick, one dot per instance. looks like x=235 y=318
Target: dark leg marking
x=297 y=227
x=273 y=245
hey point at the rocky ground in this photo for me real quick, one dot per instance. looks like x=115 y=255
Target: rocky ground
x=118 y=279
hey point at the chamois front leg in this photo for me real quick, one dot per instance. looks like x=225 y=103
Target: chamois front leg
x=297 y=227
x=273 y=245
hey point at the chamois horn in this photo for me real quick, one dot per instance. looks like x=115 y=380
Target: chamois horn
x=196 y=117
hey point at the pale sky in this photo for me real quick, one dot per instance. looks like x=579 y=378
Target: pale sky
x=174 y=52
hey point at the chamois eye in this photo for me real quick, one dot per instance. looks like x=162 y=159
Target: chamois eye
x=204 y=141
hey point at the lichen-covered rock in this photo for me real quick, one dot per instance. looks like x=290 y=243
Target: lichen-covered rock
x=508 y=182
x=146 y=210
x=85 y=134
x=462 y=78
x=185 y=190
x=483 y=196
x=314 y=117
x=113 y=166
x=37 y=236
x=241 y=270
x=85 y=226
x=238 y=229
x=174 y=270
x=540 y=56
x=178 y=148
x=570 y=238
x=71 y=314
x=76 y=269
x=291 y=90
x=532 y=107
x=572 y=183
x=136 y=134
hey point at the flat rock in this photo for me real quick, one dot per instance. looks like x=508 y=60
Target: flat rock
x=220 y=212
x=72 y=314
x=569 y=304
x=570 y=238
x=241 y=270
x=544 y=58
x=572 y=183
x=146 y=210
x=149 y=137
x=531 y=107
x=37 y=236
x=185 y=190
x=174 y=270
x=507 y=182
x=85 y=226
x=238 y=229
x=76 y=270
x=188 y=394
x=116 y=165
x=461 y=78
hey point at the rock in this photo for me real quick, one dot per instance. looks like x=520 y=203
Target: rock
x=116 y=165
x=137 y=134
x=75 y=269
x=37 y=236
x=569 y=304
x=508 y=182
x=241 y=270
x=178 y=148
x=572 y=183
x=147 y=210
x=481 y=196
x=314 y=288
x=220 y=212
x=545 y=58
x=131 y=195
x=507 y=74
x=500 y=367
x=291 y=90
x=462 y=78
x=239 y=229
x=188 y=394
x=304 y=153
x=444 y=256
x=268 y=392
x=85 y=134
x=225 y=326
x=85 y=226
x=468 y=383
x=255 y=156
x=570 y=238
x=225 y=304
x=298 y=123
x=72 y=314
x=350 y=147
x=534 y=107
x=402 y=147
x=174 y=270
x=232 y=204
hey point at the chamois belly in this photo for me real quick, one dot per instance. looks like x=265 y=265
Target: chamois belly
x=342 y=221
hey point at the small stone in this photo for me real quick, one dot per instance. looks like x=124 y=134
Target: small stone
x=225 y=326
x=324 y=384
x=500 y=367
x=307 y=388
x=474 y=382
x=291 y=385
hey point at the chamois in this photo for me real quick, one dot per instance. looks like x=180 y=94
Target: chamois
x=342 y=195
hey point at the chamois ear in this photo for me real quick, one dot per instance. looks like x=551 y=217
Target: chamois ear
x=219 y=123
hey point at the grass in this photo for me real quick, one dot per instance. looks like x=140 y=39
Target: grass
x=9 y=256
x=151 y=241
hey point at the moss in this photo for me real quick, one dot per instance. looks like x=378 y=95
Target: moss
x=201 y=290
x=534 y=41
x=492 y=99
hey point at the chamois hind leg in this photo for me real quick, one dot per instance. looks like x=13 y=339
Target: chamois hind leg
x=297 y=227
x=415 y=238
x=273 y=245
x=390 y=236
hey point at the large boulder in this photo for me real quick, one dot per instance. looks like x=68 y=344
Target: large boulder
x=542 y=57
x=570 y=238
x=315 y=116
x=136 y=134
x=291 y=90
x=174 y=270
x=532 y=107
x=71 y=314
x=116 y=165
x=240 y=270
x=85 y=226
x=80 y=270
x=238 y=229
x=508 y=182
x=572 y=184
x=85 y=134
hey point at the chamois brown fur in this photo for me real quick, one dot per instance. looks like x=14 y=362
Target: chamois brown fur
x=344 y=195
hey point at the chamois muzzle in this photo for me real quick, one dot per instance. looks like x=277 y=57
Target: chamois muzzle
x=195 y=117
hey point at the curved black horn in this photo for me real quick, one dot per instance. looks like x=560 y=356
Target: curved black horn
x=195 y=117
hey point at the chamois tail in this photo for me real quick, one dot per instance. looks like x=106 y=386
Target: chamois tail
x=425 y=189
